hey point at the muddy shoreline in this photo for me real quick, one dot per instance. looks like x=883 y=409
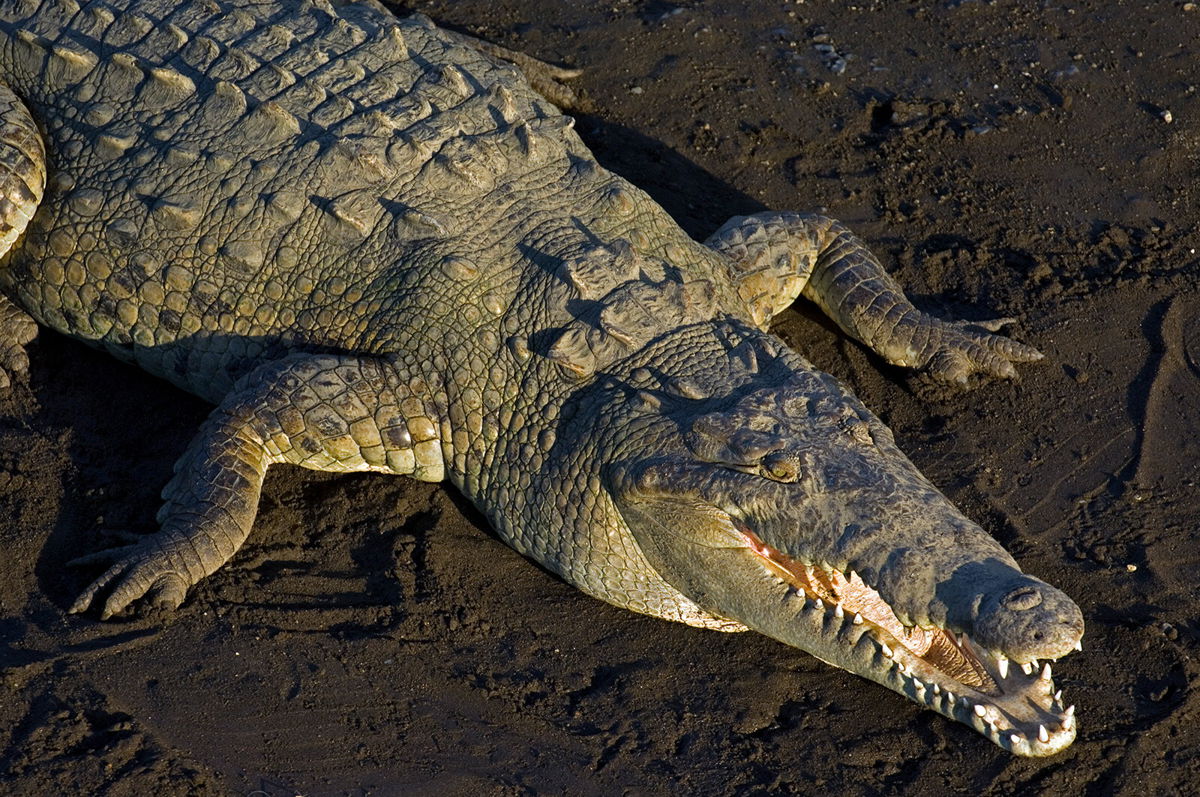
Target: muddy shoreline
x=375 y=638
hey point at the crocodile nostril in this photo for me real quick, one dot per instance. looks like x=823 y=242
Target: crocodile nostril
x=1022 y=598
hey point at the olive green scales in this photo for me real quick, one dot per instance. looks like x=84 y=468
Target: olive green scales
x=375 y=247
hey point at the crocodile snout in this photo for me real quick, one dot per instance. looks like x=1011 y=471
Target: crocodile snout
x=1029 y=620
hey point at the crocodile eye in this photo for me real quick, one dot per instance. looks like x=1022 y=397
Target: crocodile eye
x=781 y=467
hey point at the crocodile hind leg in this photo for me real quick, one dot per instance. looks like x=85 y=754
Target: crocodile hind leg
x=22 y=183
x=546 y=79
x=323 y=412
x=776 y=257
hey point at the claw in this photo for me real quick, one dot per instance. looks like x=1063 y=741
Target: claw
x=145 y=572
x=992 y=325
x=962 y=348
x=950 y=365
x=17 y=330
x=86 y=597
x=105 y=555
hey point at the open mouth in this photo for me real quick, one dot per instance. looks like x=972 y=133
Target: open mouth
x=1013 y=703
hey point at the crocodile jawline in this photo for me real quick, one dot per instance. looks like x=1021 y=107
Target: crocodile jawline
x=1012 y=703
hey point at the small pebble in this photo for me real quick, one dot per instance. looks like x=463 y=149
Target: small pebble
x=1166 y=116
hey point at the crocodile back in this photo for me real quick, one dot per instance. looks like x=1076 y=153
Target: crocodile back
x=230 y=184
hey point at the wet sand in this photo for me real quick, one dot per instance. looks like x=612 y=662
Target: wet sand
x=374 y=637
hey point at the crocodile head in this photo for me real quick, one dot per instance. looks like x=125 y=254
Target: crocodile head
x=771 y=496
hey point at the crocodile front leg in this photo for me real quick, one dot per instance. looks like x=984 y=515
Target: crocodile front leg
x=324 y=412
x=17 y=329
x=777 y=256
x=22 y=183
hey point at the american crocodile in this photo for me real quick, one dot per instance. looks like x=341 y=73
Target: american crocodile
x=375 y=247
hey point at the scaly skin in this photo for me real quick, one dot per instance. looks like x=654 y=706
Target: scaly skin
x=374 y=247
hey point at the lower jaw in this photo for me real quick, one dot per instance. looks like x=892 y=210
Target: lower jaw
x=862 y=648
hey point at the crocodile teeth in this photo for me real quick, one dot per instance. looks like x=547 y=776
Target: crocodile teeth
x=980 y=710
x=886 y=650
x=839 y=612
x=1043 y=736
x=1027 y=667
x=1015 y=739
x=1002 y=665
x=820 y=604
x=937 y=690
x=1046 y=672
x=1068 y=718
x=858 y=619
x=1058 y=696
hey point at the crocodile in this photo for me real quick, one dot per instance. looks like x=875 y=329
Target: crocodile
x=374 y=246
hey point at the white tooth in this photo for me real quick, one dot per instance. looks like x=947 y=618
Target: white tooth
x=937 y=690
x=839 y=612
x=1046 y=672
x=1079 y=645
x=820 y=604
x=858 y=619
x=1058 y=696
x=1002 y=665
x=1027 y=668
x=1068 y=718
x=950 y=697
x=886 y=650
x=1043 y=736
x=1015 y=739
x=980 y=710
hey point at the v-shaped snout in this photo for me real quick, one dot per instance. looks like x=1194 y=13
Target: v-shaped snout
x=818 y=479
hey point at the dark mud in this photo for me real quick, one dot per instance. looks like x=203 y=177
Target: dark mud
x=374 y=638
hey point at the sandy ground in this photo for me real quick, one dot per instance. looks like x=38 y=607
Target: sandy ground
x=374 y=638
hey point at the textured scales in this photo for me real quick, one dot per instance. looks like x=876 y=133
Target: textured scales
x=375 y=247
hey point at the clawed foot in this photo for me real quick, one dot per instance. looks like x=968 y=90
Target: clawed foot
x=958 y=349
x=545 y=78
x=142 y=570
x=17 y=329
